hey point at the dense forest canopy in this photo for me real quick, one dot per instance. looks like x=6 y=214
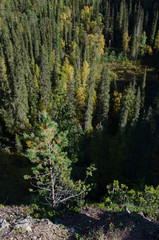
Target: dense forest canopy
x=78 y=61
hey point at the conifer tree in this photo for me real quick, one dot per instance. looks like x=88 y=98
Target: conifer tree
x=106 y=20
x=20 y=100
x=5 y=91
x=154 y=26
x=64 y=112
x=143 y=88
x=105 y=93
x=36 y=41
x=143 y=40
x=6 y=110
x=134 y=45
x=18 y=144
x=137 y=106
x=156 y=45
x=9 y=53
x=128 y=106
x=52 y=168
x=44 y=78
x=89 y=111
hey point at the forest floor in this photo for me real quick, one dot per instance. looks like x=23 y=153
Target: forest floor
x=129 y=71
x=89 y=223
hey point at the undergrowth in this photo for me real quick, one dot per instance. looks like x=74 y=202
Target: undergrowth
x=119 y=196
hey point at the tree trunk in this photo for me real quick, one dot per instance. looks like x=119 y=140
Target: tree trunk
x=52 y=186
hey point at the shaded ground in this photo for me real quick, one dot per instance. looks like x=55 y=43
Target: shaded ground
x=90 y=223
x=93 y=223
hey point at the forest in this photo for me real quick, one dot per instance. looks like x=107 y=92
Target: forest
x=93 y=67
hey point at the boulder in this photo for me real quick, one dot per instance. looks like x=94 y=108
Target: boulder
x=23 y=223
x=3 y=224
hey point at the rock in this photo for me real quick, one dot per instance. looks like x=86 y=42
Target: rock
x=31 y=220
x=34 y=238
x=127 y=211
x=3 y=224
x=72 y=230
x=141 y=214
x=23 y=223
x=48 y=222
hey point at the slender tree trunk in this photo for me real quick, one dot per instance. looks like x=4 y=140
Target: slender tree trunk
x=52 y=185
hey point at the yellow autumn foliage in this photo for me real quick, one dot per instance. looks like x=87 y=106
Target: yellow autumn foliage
x=85 y=72
x=116 y=101
x=37 y=70
x=74 y=50
x=149 y=50
x=156 y=45
x=36 y=83
x=85 y=12
x=4 y=67
x=90 y=129
x=94 y=97
x=65 y=18
x=36 y=77
x=81 y=97
x=68 y=73
x=102 y=44
x=97 y=42
x=42 y=107
x=125 y=42
x=81 y=102
x=28 y=143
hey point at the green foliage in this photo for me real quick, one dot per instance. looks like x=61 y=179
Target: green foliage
x=111 y=56
x=143 y=44
x=51 y=166
x=146 y=201
x=128 y=105
x=105 y=93
x=18 y=144
x=44 y=79
x=156 y=45
x=154 y=26
x=53 y=56
x=63 y=112
x=111 y=227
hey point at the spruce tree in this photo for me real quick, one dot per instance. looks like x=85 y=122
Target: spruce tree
x=105 y=94
x=134 y=45
x=5 y=91
x=20 y=100
x=143 y=40
x=154 y=26
x=44 y=79
x=137 y=106
x=143 y=88
x=90 y=104
x=6 y=110
x=128 y=106
x=156 y=45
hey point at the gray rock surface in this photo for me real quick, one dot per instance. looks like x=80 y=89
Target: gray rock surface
x=3 y=224
x=23 y=223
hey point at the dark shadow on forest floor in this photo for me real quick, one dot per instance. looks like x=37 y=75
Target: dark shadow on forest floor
x=13 y=187
x=93 y=223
